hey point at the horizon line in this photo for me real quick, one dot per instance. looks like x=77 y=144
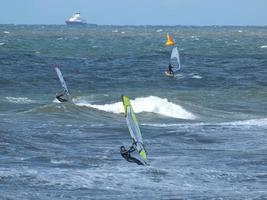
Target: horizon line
x=151 y=25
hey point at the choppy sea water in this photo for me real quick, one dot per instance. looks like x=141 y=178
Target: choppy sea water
x=205 y=130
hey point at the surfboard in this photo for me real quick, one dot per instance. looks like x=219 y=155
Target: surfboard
x=134 y=129
x=167 y=73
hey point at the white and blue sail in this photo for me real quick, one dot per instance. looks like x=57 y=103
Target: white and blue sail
x=62 y=81
x=133 y=127
x=175 y=60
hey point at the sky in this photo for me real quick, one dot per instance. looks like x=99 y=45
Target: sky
x=136 y=12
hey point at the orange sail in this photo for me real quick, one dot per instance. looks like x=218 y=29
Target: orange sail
x=169 y=41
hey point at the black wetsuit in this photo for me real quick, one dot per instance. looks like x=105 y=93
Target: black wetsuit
x=126 y=154
x=170 y=69
x=60 y=99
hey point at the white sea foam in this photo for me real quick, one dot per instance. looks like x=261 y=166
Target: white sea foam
x=250 y=122
x=56 y=101
x=195 y=37
x=6 y=32
x=165 y=125
x=197 y=76
x=159 y=30
x=145 y=104
x=263 y=46
x=19 y=100
x=2 y=43
x=54 y=161
x=241 y=123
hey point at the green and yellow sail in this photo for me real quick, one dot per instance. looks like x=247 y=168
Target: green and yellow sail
x=133 y=126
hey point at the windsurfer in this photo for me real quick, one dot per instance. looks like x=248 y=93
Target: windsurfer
x=60 y=95
x=170 y=68
x=126 y=154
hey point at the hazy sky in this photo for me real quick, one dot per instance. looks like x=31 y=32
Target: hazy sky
x=136 y=12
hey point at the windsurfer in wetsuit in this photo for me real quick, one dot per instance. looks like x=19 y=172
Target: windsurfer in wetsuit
x=126 y=154
x=60 y=95
x=170 y=68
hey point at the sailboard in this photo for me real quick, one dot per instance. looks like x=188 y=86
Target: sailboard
x=62 y=81
x=133 y=127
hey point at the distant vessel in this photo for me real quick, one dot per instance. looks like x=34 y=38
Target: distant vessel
x=76 y=19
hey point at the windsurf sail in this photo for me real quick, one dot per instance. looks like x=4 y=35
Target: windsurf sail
x=175 y=60
x=169 y=41
x=134 y=127
x=62 y=81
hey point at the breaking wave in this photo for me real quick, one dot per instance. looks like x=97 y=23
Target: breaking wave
x=145 y=104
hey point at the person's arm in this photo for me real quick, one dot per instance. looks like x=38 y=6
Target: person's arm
x=132 y=149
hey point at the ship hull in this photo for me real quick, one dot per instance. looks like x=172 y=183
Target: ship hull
x=80 y=23
x=75 y=23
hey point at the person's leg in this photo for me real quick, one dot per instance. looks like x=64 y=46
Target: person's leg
x=132 y=159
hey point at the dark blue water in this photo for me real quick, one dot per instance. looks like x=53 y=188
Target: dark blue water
x=204 y=130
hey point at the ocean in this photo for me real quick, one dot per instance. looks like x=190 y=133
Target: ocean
x=204 y=130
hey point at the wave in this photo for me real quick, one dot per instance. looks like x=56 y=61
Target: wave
x=19 y=100
x=250 y=122
x=55 y=161
x=145 y=104
x=195 y=76
x=263 y=46
x=241 y=123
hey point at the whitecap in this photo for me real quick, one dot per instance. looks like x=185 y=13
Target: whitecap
x=241 y=123
x=54 y=161
x=151 y=104
x=250 y=122
x=19 y=100
x=56 y=101
x=197 y=77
